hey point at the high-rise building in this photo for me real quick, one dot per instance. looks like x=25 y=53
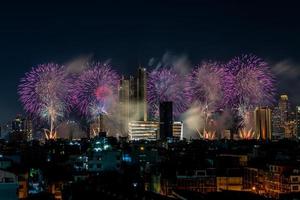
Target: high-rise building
x=124 y=99
x=21 y=128
x=262 y=118
x=284 y=108
x=298 y=121
x=165 y=120
x=142 y=94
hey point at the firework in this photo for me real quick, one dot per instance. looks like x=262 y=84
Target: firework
x=254 y=81
x=254 y=85
x=211 y=84
x=166 y=85
x=95 y=91
x=44 y=93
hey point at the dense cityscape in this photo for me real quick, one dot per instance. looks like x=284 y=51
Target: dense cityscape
x=150 y=100
x=219 y=129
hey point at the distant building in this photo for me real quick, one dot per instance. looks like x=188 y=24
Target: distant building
x=21 y=128
x=298 y=121
x=262 y=118
x=165 y=120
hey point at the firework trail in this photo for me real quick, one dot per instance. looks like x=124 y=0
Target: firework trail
x=246 y=134
x=254 y=83
x=166 y=85
x=95 y=91
x=44 y=92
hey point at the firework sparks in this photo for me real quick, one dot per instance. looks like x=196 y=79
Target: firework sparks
x=166 y=85
x=95 y=90
x=246 y=134
x=44 y=93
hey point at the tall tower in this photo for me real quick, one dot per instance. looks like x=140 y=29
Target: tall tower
x=165 y=120
x=124 y=98
x=284 y=108
x=142 y=94
x=262 y=118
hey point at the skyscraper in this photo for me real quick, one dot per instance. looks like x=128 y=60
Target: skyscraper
x=165 y=120
x=284 y=108
x=124 y=98
x=262 y=118
x=142 y=94
x=21 y=128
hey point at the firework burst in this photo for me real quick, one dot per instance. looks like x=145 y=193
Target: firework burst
x=166 y=85
x=211 y=84
x=95 y=91
x=254 y=81
x=44 y=92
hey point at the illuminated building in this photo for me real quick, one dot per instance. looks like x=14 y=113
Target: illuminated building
x=262 y=118
x=143 y=130
x=149 y=130
x=165 y=120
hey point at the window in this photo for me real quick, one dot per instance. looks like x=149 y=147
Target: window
x=294 y=179
x=295 y=187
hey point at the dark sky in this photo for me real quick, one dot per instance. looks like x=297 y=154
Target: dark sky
x=129 y=32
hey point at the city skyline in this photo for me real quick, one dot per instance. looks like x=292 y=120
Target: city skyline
x=35 y=33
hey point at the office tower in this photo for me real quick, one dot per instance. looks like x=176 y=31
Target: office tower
x=142 y=94
x=21 y=128
x=283 y=107
x=124 y=99
x=165 y=120
x=277 y=126
x=262 y=118
x=133 y=100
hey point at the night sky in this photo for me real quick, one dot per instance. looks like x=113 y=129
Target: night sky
x=128 y=33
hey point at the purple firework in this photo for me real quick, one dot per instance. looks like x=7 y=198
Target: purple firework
x=211 y=84
x=253 y=80
x=44 y=92
x=44 y=87
x=95 y=91
x=166 y=85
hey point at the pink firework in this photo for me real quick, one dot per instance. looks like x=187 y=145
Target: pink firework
x=95 y=91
